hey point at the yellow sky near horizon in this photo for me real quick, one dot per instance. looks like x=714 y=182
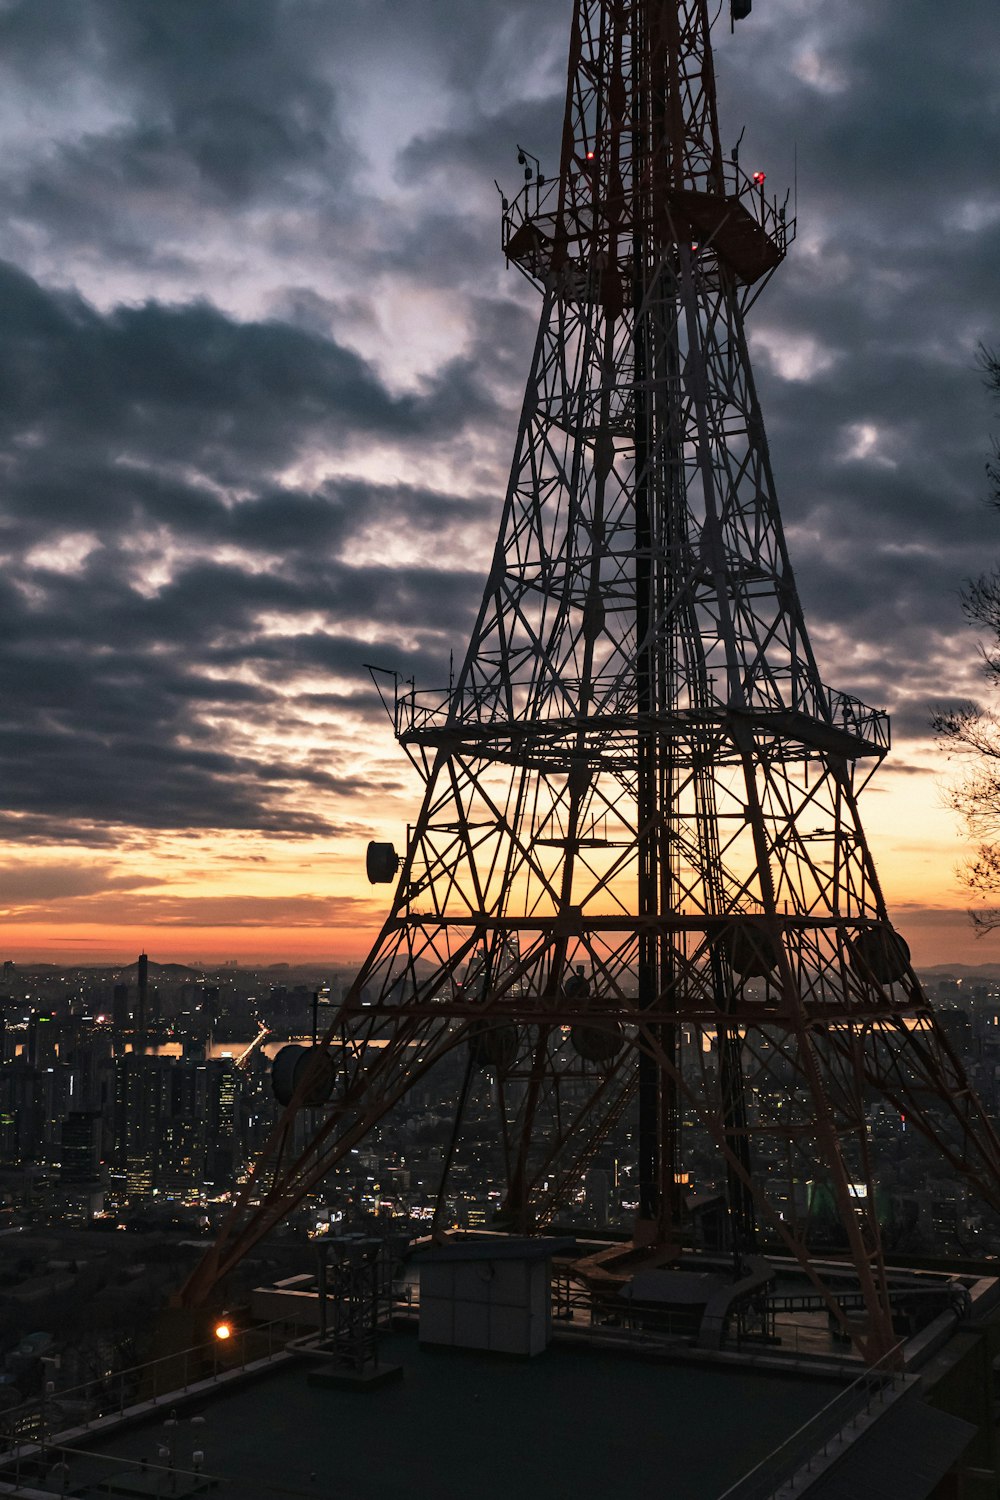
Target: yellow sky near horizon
x=211 y=897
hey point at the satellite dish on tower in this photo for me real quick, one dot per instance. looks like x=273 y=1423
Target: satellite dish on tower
x=381 y=864
x=597 y=1044
x=879 y=953
x=752 y=951
x=293 y=1064
x=493 y=1044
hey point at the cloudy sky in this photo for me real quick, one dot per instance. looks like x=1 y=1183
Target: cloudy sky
x=260 y=362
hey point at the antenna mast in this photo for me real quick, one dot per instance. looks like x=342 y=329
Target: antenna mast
x=638 y=888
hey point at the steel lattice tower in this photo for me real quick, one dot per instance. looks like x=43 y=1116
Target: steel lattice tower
x=638 y=879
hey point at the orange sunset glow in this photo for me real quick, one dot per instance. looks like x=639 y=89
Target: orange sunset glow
x=258 y=429
x=216 y=898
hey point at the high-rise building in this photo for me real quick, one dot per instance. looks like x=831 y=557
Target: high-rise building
x=80 y=1147
x=221 y=1116
x=142 y=1018
x=33 y=1104
x=174 y=1124
x=43 y=1031
x=22 y=1113
x=121 y=1014
x=136 y=1122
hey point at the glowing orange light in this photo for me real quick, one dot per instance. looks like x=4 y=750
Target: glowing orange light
x=760 y=178
x=590 y=156
x=223 y=1331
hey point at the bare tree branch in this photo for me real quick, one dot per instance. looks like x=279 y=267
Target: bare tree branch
x=969 y=730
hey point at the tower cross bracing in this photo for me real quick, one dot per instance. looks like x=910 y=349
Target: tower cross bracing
x=638 y=885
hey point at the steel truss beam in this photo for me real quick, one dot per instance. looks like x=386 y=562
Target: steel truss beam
x=638 y=880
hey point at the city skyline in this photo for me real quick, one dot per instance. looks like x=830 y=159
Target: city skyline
x=264 y=365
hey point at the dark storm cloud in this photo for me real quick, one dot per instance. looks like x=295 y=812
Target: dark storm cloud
x=133 y=779
x=230 y=112
x=153 y=434
x=152 y=516
x=879 y=440
x=882 y=539
x=177 y=106
x=190 y=385
x=486 y=143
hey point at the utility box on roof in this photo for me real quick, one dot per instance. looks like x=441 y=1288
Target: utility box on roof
x=488 y=1294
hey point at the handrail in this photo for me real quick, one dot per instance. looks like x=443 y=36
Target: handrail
x=427 y=710
x=29 y=1422
x=58 y=1478
x=767 y=1477
x=537 y=203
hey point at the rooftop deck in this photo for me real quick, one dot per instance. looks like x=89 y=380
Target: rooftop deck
x=578 y=1421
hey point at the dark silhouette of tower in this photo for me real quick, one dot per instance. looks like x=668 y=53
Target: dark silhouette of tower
x=638 y=883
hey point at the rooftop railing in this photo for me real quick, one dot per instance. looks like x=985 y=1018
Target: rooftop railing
x=813 y=1445
x=101 y=1401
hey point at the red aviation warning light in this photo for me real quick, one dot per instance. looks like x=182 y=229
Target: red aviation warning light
x=760 y=178
x=590 y=156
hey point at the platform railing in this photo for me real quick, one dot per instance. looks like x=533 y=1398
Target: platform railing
x=65 y=1469
x=420 y=711
x=813 y=1444
x=91 y=1403
x=538 y=204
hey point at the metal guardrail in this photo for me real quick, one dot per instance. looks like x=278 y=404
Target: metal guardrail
x=423 y=711
x=62 y=1469
x=857 y=718
x=811 y=1445
x=89 y=1405
x=538 y=202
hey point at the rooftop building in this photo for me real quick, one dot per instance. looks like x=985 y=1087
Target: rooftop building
x=617 y=1398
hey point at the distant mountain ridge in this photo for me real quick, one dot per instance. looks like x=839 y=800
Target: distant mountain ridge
x=289 y=971
x=960 y=971
x=174 y=971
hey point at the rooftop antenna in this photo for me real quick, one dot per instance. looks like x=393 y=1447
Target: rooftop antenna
x=523 y=158
x=795 y=180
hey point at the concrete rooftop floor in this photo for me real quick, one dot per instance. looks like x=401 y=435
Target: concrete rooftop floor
x=574 y=1422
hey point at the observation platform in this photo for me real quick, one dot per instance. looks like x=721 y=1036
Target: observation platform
x=819 y=722
x=563 y=228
